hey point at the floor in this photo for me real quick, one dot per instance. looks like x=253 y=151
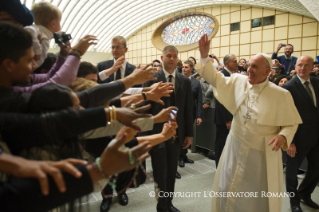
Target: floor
x=197 y=180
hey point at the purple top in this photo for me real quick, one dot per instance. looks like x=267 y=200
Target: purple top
x=63 y=72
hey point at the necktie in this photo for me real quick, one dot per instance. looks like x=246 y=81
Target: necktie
x=118 y=74
x=308 y=89
x=172 y=96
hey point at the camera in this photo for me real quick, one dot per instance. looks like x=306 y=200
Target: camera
x=61 y=38
x=283 y=44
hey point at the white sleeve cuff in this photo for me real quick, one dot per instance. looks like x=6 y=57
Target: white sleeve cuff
x=103 y=76
x=133 y=91
x=204 y=61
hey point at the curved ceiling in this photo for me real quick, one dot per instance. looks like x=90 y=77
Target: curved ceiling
x=108 y=18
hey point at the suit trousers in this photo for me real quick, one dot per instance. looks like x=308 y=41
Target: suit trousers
x=311 y=179
x=164 y=163
x=183 y=152
x=221 y=136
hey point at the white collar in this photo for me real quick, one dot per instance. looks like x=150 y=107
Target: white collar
x=259 y=86
x=46 y=31
x=302 y=80
x=167 y=74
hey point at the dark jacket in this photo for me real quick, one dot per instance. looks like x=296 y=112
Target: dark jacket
x=222 y=116
x=307 y=132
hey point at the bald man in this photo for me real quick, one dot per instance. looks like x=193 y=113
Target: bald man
x=305 y=92
x=265 y=119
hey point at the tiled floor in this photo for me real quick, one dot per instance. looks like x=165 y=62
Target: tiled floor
x=196 y=178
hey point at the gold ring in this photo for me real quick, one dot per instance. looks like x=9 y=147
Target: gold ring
x=133 y=106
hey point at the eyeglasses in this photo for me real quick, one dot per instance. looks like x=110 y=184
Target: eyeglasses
x=117 y=47
x=155 y=65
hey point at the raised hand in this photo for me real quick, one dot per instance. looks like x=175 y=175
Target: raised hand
x=84 y=43
x=143 y=74
x=278 y=47
x=204 y=45
x=162 y=89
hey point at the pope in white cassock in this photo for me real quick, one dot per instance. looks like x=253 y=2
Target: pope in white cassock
x=265 y=119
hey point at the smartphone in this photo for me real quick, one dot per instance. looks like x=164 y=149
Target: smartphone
x=173 y=114
x=283 y=44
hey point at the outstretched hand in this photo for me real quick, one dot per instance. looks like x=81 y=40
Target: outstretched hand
x=169 y=130
x=162 y=89
x=165 y=115
x=143 y=74
x=40 y=170
x=126 y=115
x=204 y=44
x=113 y=153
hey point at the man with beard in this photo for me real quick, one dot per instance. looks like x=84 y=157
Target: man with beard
x=286 y=60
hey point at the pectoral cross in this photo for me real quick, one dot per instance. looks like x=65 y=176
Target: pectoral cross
x=247 y=116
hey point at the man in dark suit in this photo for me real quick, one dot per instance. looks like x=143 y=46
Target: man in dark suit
x=165 y=155
x=117 y=68
x=305 y=92
x=109 y=71
x=188 y=67
x=223 y=118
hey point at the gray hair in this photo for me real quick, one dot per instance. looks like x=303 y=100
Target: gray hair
x=173 y=48
x=120 y=38
x=227 y=58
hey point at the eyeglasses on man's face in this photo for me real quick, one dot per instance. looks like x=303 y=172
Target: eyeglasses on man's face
x=117 y=47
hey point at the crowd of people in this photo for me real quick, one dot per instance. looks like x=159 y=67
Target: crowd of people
x=54 y=109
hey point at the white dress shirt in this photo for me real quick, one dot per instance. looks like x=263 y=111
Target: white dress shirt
x=311 y=88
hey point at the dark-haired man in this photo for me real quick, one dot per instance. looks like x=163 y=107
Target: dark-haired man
x=88 y=71
x=188 y=67
x=286 y=60
x=156 y=63
x=165 y=155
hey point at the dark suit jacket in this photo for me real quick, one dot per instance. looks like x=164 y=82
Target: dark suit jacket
x=222 y=116
x=183 y=100
x=307 y=133
x=197 y=98
x=108 y=64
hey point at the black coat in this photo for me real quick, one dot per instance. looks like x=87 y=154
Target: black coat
x=108 y=64
x=222 y=116
x=307 y=132
x=183 y=100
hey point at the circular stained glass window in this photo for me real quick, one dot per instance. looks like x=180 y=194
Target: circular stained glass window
x=184 y=31
x=188 y=30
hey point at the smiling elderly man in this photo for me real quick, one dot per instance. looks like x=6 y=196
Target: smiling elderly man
x=251 y=161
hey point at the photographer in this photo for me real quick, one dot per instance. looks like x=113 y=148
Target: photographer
x=286 y=60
